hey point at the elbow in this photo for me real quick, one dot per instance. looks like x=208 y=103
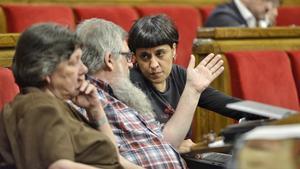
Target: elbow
x=171 y=138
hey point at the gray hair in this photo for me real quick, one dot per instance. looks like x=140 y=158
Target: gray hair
x=39 y=50
x=99 y=37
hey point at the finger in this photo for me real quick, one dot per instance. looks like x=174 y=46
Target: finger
x=218 y=72
x=213 y=61
x=192 y=62
x=216 y=66
x=84 y=85
x=207 y=59
x=89 y=89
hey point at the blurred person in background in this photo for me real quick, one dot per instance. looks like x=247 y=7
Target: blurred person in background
x=244 y=13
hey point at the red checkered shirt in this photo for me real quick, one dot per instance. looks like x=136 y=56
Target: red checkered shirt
x=139 y=137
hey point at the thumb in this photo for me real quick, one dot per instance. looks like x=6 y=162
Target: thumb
x=192 y=62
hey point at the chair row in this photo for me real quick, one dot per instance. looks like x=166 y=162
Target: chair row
x=16 y=18
x=271 y=77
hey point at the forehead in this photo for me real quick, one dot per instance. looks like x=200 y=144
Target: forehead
x=154 y=49
x=125 y=46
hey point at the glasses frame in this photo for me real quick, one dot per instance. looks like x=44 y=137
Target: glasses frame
x=128 y=55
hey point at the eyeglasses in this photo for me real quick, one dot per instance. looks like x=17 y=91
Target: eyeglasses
x=128 y=56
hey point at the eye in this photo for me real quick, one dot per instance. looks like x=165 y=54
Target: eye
x=145 y=56
x=160 y=53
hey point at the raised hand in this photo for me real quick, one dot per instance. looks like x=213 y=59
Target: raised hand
x=205 y=72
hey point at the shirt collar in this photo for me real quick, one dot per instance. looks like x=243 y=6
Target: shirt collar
x=100 y=84
x=245 y=12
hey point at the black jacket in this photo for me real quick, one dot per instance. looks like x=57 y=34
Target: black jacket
x=226 y=15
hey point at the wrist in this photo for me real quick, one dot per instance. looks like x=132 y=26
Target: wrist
x=193 y=90
x=99 y=122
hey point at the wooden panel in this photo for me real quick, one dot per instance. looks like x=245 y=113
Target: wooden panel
x=134 y=2
x=2 y=21
x=221 y=46
x=7 y=47
x=248 y=33
x=6 y=56
x=8 y=40
x=14 y=1
x=206 y=121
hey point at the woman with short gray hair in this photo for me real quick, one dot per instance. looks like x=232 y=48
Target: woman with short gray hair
x=39 y=129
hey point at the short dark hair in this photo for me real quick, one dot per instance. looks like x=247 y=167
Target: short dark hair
x=151 y=31
x=39 y=50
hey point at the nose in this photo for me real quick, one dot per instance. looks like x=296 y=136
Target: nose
x=275 y=12
x=83 y=69
x=130 y=65
x=153 y=63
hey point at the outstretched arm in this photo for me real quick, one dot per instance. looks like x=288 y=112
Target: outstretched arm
x=198 y=79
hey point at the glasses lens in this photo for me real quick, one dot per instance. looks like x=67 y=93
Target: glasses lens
x=128 y=55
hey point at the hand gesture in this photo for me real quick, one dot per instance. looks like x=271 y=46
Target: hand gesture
x=205 y=72
x=88 y=96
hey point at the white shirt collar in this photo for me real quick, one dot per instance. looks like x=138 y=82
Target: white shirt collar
x=246 y=14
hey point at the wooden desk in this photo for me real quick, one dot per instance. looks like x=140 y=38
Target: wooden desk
x=7 y=48
x=221 y=40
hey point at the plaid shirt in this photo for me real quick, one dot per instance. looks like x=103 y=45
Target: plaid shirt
x=139 y=137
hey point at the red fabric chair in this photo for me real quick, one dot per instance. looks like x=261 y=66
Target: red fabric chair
x=8 y=87
x=205 y=11
x=187 y=20
x=288 y=15
x=19 y=17
x=121 y=15
x=295 y=61
x=264 y=76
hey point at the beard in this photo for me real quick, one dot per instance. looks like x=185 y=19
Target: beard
x=132 y=96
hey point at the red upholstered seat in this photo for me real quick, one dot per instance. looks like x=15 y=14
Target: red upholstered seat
x=264 y=76
x=121 y=15
x=19 y=17
x=8 y=88
x=205 y=11
x=295 y=61
x=288 y=15
x=187 y=20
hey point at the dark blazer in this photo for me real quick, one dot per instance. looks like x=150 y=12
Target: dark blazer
x=226 y=15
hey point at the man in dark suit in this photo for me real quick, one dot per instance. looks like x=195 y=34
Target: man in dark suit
x=244 y=13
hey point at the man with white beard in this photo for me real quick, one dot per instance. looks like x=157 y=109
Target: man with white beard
x=140 y=139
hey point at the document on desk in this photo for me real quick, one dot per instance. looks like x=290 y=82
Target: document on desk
x=266 y=110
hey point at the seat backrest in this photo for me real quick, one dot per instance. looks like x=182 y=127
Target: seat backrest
x=288 y=15
x=19 y=17
x=264 y=76
x=8 y=87
x=187 y=20
x=205 y=11
x=295 y=62
x=121 y=15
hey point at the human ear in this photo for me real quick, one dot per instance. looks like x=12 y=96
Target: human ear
x=174 y=51
x=48 y=79
x=108 y=60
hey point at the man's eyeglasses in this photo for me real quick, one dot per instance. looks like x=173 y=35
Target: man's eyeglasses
x=128 y=56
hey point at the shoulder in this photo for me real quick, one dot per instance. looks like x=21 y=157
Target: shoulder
x=37 y=104
x=178 y=72
x=225 y=15
x=138 y=79
x=136 y=75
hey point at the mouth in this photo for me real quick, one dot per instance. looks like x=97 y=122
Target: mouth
x=156 y=74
